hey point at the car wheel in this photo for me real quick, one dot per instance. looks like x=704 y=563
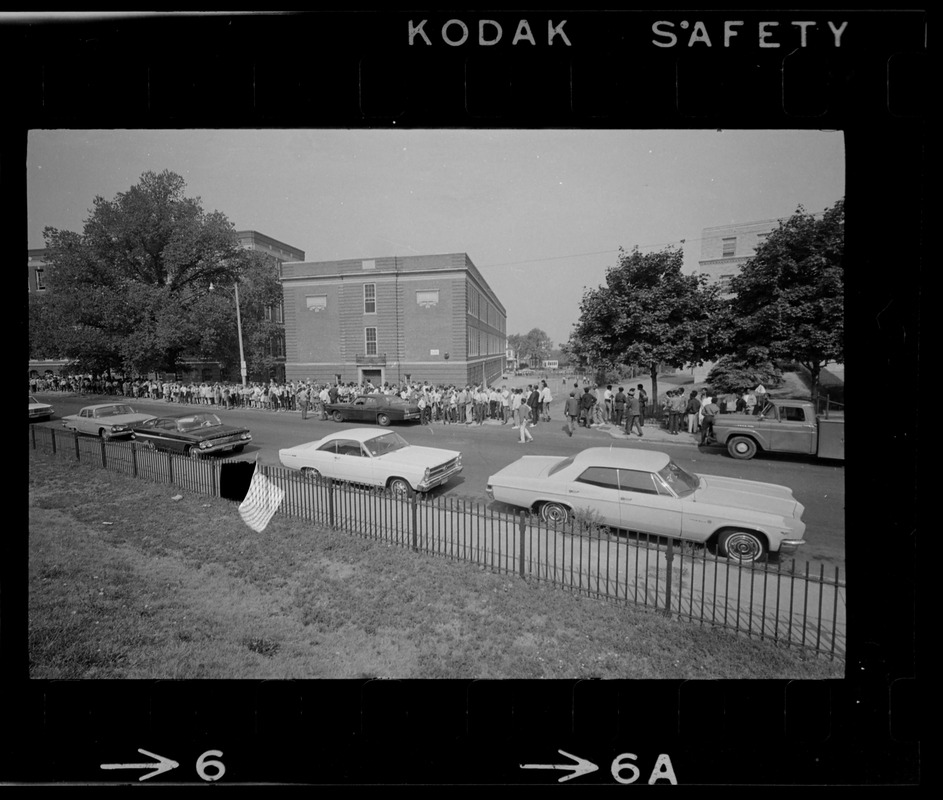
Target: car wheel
x=741 y=447
x=103 y=434
x=554 y=513
x=743 y=546
x=311 y=473
x=338 y=417
x=399 y=486
x=238 y=448
x=383 y=419
x=150 y=446
x=193 y=451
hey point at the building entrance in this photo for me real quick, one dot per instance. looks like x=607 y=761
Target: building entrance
x=375 y=376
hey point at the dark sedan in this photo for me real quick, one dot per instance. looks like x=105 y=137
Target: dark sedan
x=376 y=408
x=197 y=434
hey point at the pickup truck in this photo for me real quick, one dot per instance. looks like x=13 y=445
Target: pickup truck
x=784 y=426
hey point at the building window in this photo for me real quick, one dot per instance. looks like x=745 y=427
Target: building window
x=316 y=302
x=428 y=299
x=369 y=298
x=370 y=341
x=40 y=280
x=730 y=246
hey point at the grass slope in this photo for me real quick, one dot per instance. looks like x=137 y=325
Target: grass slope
x=127 y=582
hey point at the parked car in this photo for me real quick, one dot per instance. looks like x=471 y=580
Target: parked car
x=377 y=408
x=647 y=492
x=107 y=420
x=39 y=411
x=195 y=434
x=783 y=426
x=367 y=456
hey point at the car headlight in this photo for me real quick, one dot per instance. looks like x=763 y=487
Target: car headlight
x=246 y=435
x=117 y=428
x=204 y=444
x=426 y=474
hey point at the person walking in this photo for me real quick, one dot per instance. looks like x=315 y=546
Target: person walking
x=587 y=401
x=572 y=411
x=709 y=410
x=302 y=398
x=618 y=407
x=545 y=400
x=633 y=413
x=676 y=408
x=523 y=411
x=692 y=409
x=642 y=396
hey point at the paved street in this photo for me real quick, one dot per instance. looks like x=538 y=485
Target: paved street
x=486 y=448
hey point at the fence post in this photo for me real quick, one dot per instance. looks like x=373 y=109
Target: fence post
x=669 y=558
x=520 y=568
x=32 y=435
x=53 y=430
x=134 y=458
x=330 y=501
x=170 y=467
x=101 y=443
x=413 y=508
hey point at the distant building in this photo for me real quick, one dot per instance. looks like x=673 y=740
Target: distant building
x=387 y=320
x=550 y=364
x=726 y=248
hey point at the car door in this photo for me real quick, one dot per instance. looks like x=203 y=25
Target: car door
x=351 y=463
x=358 y=410
x=595 y=491
x=645 y=505
x=791 y=432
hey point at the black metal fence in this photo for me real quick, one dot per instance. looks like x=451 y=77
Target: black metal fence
x=786 y=603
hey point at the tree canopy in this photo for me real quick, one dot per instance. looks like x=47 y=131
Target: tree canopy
x=132 y=290
x=647 y=313
x=789 y=297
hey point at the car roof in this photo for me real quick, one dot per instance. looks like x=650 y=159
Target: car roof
x=357 y=434
x=623 y=457
x=105 y=405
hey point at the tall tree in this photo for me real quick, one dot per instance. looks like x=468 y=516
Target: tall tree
x=132 y=290
x=789 y=298
x=647 y=313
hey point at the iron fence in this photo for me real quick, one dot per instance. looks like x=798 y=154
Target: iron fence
x=782 y=602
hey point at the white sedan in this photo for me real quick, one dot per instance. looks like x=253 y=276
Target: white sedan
x=646 y=492
x=107 y=420
x=367 y=456
x=39 y=411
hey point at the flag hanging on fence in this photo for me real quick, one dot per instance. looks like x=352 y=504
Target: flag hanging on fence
x=261 y=502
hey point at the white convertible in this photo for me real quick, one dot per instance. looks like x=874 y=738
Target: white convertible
x=107 y=420
x=646 y=492
x=367 y=456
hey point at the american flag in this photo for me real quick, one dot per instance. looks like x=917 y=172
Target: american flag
x=261 y=502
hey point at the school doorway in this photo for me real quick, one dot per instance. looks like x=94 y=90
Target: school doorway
x=374 y=376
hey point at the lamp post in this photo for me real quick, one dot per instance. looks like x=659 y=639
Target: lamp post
x=242 y=355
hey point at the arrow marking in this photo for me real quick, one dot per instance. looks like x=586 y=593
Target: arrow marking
x=162 y=765
x=582 y=766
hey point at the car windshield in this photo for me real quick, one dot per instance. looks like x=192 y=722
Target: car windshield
x=33 y=401
x=114 y=411
x=681 y=482
x=386 y=443
x=195 y=421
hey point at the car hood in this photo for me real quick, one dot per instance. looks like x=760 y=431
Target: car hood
x=419 y=456
x=768 y=498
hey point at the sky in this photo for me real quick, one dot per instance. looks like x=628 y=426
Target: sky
x=541 y=213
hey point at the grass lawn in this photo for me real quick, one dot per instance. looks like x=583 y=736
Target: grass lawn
x=127 y=582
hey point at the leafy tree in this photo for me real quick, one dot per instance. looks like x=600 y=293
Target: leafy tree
x=647 y=313
x=731 y=374
x=789 y=298
x=132 y=290
x=533 y=346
